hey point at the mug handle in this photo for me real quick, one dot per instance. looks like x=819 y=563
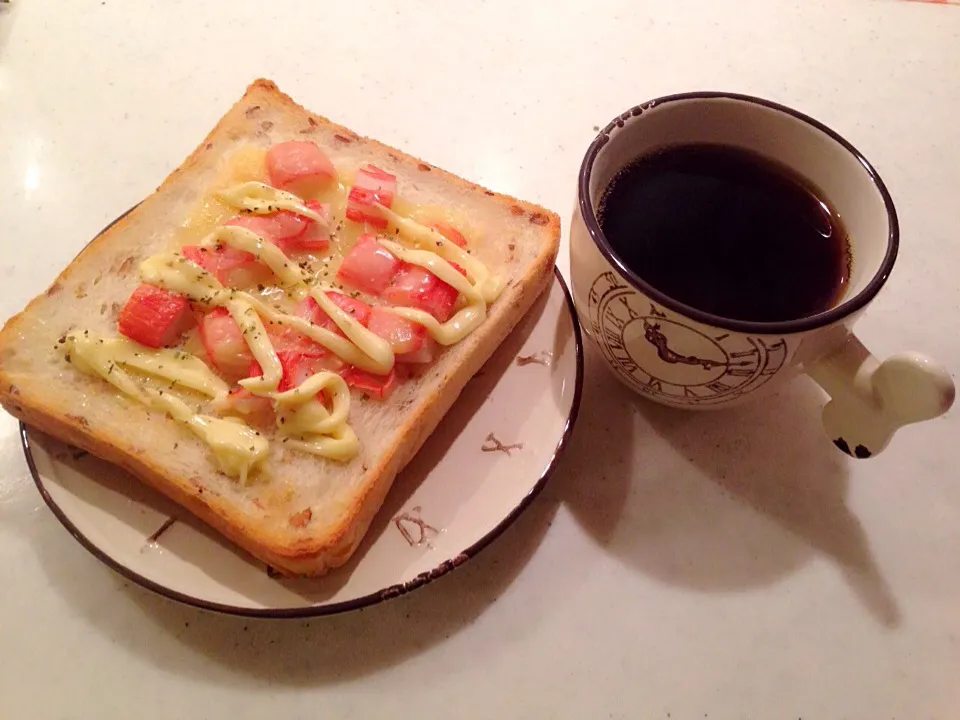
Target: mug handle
x=870 y=400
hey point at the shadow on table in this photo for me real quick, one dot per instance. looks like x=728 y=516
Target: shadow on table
x=733 y=499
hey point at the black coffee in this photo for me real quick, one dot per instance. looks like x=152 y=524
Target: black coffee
x=727 y=232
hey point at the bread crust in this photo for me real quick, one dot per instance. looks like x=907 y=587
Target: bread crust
x=317 y=551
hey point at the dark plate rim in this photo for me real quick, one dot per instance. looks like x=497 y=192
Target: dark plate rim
x=827 y=317
x=356 y=603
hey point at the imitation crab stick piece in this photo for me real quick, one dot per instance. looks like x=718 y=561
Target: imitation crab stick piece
x=416 y=287
x=232 y=267
x=299 y=166
x=289 y=231
x=154 y=317
x=310 y=310
x=450 y=233
x=369 y=266
x=244 y=403
x=423 y=355
x=378 y=386
x=404 y=336
x=224 y=343
x=372 y=185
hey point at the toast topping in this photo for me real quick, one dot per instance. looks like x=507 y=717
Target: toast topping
x=241 y=238
x=259 y=198
x=294 y=350
x=237 y=447
x=460 y=325
x=371 y=188
x=426 y=238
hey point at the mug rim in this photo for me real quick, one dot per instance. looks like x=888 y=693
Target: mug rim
x=809 y=322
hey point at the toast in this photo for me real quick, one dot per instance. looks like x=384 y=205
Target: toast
x=300 y=513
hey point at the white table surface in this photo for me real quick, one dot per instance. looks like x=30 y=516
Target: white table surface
x=676 y=566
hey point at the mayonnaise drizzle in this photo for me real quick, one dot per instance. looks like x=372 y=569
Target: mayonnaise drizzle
x=465 y=321
x=262 y=199
x=266 y=252
x=488 y=285
x=313 y=428
x=237 y=447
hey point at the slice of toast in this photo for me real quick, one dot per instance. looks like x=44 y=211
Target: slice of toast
x=305 y=514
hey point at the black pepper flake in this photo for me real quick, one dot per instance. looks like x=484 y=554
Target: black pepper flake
x=67 y=357
x=176 y=445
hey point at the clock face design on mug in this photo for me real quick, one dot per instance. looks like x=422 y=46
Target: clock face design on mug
x=671 y=361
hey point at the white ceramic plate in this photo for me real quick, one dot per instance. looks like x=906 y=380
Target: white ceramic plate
x=487 y=460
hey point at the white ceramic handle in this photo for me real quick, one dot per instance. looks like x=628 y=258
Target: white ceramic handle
x=870 y=400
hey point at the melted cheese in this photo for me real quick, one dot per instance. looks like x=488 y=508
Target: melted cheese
x=243 y=165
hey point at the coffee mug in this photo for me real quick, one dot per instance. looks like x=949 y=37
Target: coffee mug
x=683 y=357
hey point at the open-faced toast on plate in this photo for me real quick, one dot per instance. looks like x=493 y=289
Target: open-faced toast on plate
x=271 y=336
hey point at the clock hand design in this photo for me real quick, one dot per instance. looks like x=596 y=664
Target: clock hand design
x=655 y=337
